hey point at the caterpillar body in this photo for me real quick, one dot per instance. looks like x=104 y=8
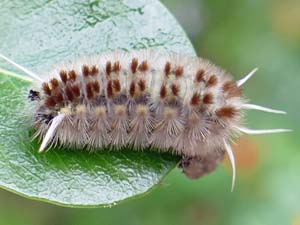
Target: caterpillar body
x=170 y=102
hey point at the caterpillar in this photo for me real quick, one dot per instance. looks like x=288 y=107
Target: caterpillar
x=170 y=102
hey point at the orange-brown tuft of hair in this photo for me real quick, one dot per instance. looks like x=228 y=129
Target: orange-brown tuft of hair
x=167 y=69
x=132 y=89
x=175 y=89
x=163 y=91
x=208 y=98
x=58 y=97
x=96 y=87
x=143 y=67
x=117 y=67
x=179 y=72
x=231 y=89
x=69 y=93
x=54 y=83
x=72 y=75
x=46 y=88
x=76 y=90
x=50 y=102
x=134 y=65
x=108 y=68
x=196 y=99
x=89 y=90
x=94 y=71
x=117 y=85
x=142 y=85
x=227 y=112
x=212 y=81
x=109 y=89
x=200 y=75
x=85 y=70
x=63 y=76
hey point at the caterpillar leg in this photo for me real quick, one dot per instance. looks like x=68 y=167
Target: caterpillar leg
x=198 y=166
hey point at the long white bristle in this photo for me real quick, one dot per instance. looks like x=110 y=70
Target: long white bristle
x=270 y=131
x=12 y=74
x=51 y=131
x=246 y=78
x=232 y=161
x=28 y=72
x=261 y=108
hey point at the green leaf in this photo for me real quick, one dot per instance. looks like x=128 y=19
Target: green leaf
x=38 y=34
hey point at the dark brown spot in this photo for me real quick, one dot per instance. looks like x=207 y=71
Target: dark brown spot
x=142 y=85
x=208 y=98
x=89 y=91
x=227 y=112
x=144 y=66
x=76 y=90
x=94 y=71
x=196 y=99
x=179 y=71
x=69 y=93
x=72 y=75
x=117 y=67
x=167 y=69
x=50 y=102
x=200 y=75
x=108 y=68
x=63 y=76
x=134 y=65
x=110 y=91
x=212 y=81
x=54 y=83
x=231 y=89
x=85 y=70
x=132 y=89
x=163 y=91
x=46 y=88
x=175 y=89
x=117 y=85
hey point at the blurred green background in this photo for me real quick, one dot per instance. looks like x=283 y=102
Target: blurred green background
x=237 y=35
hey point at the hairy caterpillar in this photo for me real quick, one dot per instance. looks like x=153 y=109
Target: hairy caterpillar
x=183 y=105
